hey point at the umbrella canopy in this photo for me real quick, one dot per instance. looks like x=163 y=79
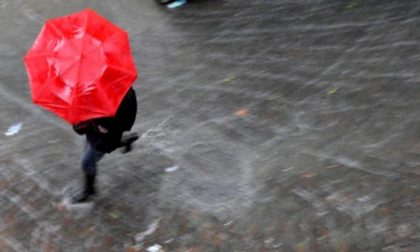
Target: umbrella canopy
x=80 y=66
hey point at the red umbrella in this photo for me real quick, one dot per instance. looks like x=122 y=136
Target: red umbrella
x=80 y=66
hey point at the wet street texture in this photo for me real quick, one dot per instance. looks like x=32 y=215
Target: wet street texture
x=282 y=125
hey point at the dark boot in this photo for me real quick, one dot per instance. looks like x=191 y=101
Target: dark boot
x=127 y=141
x=88 y=191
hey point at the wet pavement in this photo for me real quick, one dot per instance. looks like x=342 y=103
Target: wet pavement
x=287 y=125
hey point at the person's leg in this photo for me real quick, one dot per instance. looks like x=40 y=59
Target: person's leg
x=127 y=140
x=89 y=160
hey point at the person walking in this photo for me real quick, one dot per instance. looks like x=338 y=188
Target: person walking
x=105 y=135
x=89 y=73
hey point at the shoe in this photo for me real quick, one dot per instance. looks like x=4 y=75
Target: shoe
x=127 y=141
x=88 y=191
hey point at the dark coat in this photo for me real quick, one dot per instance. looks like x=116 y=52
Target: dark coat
x=104 y=134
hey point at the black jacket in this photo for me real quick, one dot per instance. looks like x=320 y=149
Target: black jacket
x=104 y=134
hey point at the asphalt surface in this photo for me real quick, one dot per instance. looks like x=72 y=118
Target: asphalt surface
x=283 y=125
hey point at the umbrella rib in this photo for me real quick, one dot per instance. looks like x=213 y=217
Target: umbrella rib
x=122 y=69
x=68 y=69
x=102 y=90
x=47 y=85
x=71 y=110
x=56 y=29
x=36 y=96
x=73 y=95
x=37 y=54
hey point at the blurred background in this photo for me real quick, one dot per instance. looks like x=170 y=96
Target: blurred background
x=283 y=125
